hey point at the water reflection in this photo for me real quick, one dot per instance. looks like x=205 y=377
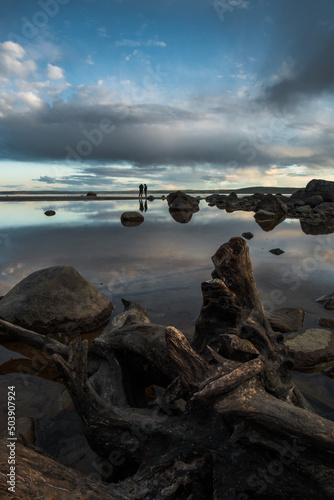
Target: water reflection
x=317 y=228
x=161 y=264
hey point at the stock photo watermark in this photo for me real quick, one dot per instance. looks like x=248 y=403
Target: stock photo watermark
x=40 y=19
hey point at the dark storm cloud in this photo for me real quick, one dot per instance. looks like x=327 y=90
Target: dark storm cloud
x=150 y=135
x=311 y=78
x=302 y=38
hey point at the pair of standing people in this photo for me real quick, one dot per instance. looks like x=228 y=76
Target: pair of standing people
x=142 y=189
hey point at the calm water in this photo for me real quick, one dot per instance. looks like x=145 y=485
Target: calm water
x=160 y=264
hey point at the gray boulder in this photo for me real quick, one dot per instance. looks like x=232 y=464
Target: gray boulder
x=319 y=185
x=311 y=347
x=272 y=203
x=56 y=299
x=182 y=206
x=182 y=201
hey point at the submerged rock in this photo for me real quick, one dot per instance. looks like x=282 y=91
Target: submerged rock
x=311 y=347
x=327 y=301
x=56 y=299
x=50 y=213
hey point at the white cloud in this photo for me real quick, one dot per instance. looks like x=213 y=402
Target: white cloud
x=90 y=61
x=55 y=72
x=33 y=101
x=126 y=42
x=11 y=60
x=103 y=32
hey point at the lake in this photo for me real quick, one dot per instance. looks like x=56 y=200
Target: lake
x=159 y=264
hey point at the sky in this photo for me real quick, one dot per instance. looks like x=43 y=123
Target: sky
x=198 y=94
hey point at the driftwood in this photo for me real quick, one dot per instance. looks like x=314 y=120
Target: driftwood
x=219 y=418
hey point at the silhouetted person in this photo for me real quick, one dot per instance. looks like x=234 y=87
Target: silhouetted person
x=141 y=187
x=145 y=190
x=141 y=206
x=145 y=206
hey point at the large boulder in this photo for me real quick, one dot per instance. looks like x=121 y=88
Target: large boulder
x=182 y=206
x=182 y=201
x=311 y=347
x=56 y=299
x=272 y=203
x=319 y=185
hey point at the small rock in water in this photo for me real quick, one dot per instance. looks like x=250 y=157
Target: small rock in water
x=326 y=323
x=90 y=193
x=327 y=301
x=276 y=251
x=49 y=213
x=131 y=219
x=248 y=236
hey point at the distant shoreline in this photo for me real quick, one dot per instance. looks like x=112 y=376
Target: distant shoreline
x=127 y=195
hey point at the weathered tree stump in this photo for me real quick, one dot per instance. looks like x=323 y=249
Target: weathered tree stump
x=228 y=422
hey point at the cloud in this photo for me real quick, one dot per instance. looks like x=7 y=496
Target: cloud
x=137 y=43
x=54 y=72
x=12 y=61
x=31 y=99
x=47 y=179
x=307 y=73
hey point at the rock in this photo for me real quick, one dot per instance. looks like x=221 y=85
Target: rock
x=296 y=203
x=272 y=203
x=305 y=210
x=181 y=216
x=316 y=227
x=50 y=213
x=311 y=347
x=150 y=198
x=182 y=206
x=132 y=219
x=326 y=323
x=319 y=185
x=263 y=214
x=182 y=201
x=268 y=222
x=25 y=430
x=327 y=301
x=56 y=299
x=325 y=208
x=289 y=319
x=248 y=236
x=276 y=251
x=66 y=403
x=314 y=200
x=90 y=193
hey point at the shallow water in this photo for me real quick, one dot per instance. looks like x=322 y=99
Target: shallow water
x=160 y=264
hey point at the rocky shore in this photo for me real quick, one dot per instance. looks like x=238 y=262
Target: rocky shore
x=313 y=205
